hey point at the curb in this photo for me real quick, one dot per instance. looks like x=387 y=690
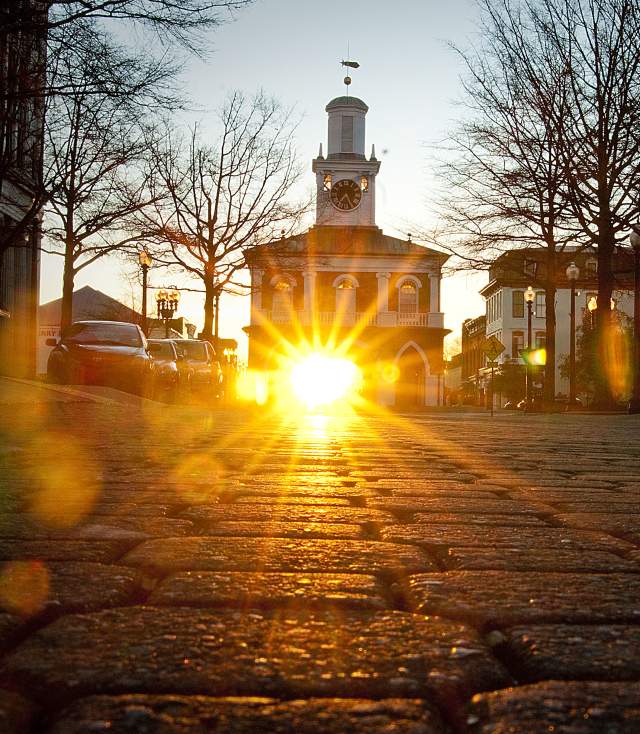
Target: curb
x=75 y=392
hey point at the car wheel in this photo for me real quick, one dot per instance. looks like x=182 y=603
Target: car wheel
x=58 y=374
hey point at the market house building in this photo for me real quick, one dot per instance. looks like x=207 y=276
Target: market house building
x=346 y=285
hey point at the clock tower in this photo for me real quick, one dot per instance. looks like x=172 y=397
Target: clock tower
x=345 y=179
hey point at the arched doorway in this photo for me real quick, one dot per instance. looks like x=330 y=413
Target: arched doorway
x=410 y=384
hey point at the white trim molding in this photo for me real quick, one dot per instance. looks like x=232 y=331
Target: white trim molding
x=404 y=278
x=283 y=276
x=345 y=276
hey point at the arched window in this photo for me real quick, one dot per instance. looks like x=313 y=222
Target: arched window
x=345 y=295
x=282 y=297
x=407 y=297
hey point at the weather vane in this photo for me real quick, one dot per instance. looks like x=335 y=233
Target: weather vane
x=350 y=65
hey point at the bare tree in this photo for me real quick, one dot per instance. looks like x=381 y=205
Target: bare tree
x=212 y=202
x=549 y=155
x=598 y=43
x=34 y=36
x=505 y=182
x=95 y=145
x=182 y=22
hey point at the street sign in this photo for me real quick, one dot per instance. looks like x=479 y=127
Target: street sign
x=492 y=363
x=493 y=348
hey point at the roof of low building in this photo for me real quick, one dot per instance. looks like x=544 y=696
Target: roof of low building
x=326 y=240
x=88 y=303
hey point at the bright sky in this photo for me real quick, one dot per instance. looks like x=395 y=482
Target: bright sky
x=292 y=49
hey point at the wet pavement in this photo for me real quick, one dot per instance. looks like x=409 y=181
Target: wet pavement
x=175 y=570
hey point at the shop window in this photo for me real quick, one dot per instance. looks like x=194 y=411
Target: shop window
x=517 y=343
x=517 y=304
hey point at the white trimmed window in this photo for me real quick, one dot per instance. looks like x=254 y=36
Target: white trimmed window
x=282 y=296
x=517 y=343
x=407 y=297
x=345 y=294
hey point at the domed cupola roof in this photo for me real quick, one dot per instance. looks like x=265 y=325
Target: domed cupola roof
x=354 y=102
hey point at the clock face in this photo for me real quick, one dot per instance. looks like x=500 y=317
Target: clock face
x=345 y=194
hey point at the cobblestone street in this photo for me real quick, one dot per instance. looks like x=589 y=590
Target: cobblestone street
x=174 y=569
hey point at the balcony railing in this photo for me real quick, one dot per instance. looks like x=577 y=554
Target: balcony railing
x=431 y=320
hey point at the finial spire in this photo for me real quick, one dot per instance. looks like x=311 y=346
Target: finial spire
x=320 y=152
x=373 y=152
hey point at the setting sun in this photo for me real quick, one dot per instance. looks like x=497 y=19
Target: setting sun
x=320 y=379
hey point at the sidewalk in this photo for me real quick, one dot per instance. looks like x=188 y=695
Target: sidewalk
x=171 y=569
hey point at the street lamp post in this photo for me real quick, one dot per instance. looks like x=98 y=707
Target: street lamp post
x=167 y=302
x=634 y=402
x=592 y=306
x=529 y=296
x=145 y=263
x=573 y=273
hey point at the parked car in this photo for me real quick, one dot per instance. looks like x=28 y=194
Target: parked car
x=169 y=379
x=110 y=353
x=201 y=358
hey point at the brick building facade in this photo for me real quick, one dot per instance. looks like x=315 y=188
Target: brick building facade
x=346 y=285
x=22 y=81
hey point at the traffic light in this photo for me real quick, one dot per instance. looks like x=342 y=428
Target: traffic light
x=534 y=357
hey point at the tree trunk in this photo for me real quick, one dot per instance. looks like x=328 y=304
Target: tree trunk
x=209 y=303
x=216 y=334
x=550 y=340
x=603 y=396
x=66 y=311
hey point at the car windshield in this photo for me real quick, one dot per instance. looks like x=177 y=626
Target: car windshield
x=126 y=335
x=162 y=349
x=196 y=351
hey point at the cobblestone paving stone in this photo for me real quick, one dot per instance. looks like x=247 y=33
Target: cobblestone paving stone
x=105 y=527
x=499 y=598
x=576 y=707
x=97 y=551
x=598 y=652
x=544 y=559
x=16 y=713
x=418 y=574
x=207 y=516
x=77 y=586
x=622 y=525
x=193 y=651
x=277 y=554
x=184 y=715
x=269 y=590
x=278 y=529
x=526 y=538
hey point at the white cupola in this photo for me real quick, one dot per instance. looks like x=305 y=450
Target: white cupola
x=345 y=178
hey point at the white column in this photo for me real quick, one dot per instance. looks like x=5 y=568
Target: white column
x=309 y=290
x=434 y=295
x=383 y=291
x=256 y=293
